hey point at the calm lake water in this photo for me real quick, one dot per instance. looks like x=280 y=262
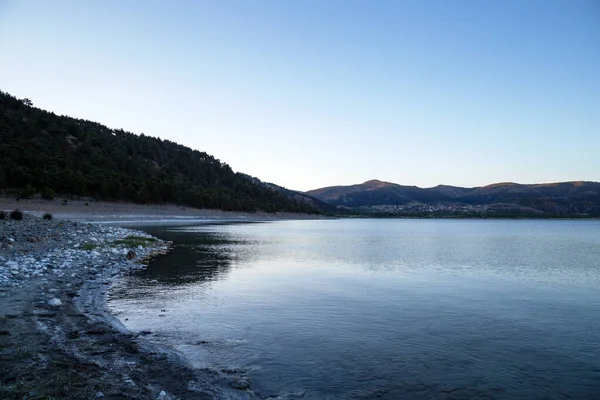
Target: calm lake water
x=392 y=309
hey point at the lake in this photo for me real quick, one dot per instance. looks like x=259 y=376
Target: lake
x=390 y=309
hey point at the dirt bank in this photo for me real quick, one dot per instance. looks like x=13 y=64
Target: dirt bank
x=100 y=211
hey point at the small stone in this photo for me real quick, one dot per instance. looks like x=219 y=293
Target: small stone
x=241 y=383
x=73 y=335
x=162 y=395
x=55 y=302
x=131 y=255
x=99 y=394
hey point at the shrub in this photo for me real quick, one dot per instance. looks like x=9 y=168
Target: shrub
x=27 y=192
x=17 y=215
x=48 y=194
x=2 y=214
x=48 y=216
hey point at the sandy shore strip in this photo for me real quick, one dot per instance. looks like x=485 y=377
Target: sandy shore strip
x=58 y=339
x=122 y=213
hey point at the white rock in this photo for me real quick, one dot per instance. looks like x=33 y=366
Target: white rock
x=11 y=264
x=162 y=395
x=95 y=254
x=55 y=302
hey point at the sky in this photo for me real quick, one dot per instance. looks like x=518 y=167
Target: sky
x=314 y=93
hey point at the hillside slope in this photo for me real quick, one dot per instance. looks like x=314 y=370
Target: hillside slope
x=50 y=154
x=550 y=198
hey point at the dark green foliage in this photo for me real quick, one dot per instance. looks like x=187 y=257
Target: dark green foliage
x=47 y=216
x=39 y=149
x=48 y=194
x=16 y=215
x=27 y=192
x=2 y=214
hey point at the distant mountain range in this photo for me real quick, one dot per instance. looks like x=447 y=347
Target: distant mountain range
x=509 y=199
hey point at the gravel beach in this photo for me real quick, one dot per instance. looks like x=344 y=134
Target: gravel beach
x=57 y=338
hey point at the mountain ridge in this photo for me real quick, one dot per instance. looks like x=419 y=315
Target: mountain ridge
x=551 y=198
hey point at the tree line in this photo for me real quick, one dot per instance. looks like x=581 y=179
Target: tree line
x=41 y=152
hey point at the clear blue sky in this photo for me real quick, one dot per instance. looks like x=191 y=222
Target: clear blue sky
x=308 y=94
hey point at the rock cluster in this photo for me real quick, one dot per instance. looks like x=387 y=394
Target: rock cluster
x=35 y=247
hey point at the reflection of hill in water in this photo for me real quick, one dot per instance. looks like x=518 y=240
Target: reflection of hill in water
x=197 y=256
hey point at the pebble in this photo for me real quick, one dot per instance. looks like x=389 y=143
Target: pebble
x=55 y=302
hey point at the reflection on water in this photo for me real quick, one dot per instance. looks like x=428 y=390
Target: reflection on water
x=381 y=309
x=195 y=257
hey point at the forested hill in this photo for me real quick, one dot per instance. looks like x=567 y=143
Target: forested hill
x=41 y=152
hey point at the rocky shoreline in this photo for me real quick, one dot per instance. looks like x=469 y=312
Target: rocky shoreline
x=58 y=339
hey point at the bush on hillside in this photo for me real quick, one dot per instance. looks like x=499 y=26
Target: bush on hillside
x=48 y=194
x=27 y=192
x=48 y=216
